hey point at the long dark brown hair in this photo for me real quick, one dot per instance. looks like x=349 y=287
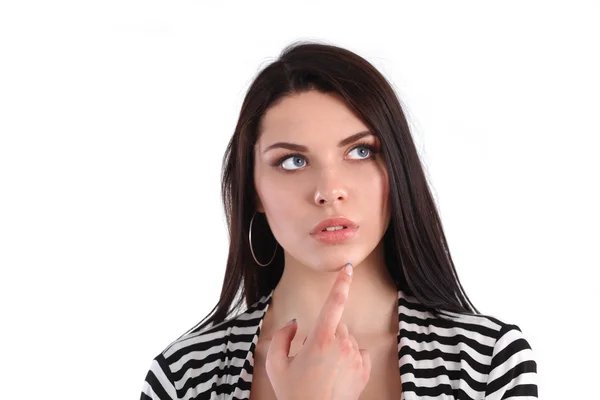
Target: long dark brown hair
x=416 y=251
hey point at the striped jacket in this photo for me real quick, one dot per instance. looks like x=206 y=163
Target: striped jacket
x=455 y=357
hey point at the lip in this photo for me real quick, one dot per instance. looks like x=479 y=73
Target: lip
x=335 y=237
x=336 y=221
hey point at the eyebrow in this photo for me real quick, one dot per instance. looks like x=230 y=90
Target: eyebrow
x=299 y=147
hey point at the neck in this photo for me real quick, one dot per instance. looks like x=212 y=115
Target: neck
x=371 y=309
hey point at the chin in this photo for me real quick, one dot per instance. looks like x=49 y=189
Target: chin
x=331 y=259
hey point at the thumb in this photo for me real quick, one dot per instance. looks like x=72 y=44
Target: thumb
x=279 y=349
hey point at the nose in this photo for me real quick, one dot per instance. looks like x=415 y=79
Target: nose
x=330 y=189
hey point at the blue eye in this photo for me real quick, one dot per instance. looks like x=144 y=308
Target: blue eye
x=366 y=150
x=294 y=162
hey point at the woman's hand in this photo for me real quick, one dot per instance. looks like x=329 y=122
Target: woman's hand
x=329 y=366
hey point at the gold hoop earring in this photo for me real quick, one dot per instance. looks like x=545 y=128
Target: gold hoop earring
x=252 y=250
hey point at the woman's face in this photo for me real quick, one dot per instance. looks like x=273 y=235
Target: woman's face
x=322 y=180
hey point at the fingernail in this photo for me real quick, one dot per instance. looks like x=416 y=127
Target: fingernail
x=348 y=268
x=291 y=322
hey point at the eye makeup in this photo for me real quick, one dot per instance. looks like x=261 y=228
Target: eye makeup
x=373 y=151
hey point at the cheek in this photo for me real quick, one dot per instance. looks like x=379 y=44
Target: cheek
x=374 y=179
x=273 y=192
x=280 y=203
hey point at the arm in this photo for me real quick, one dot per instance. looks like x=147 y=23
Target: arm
x=513 y=370
x=158 y=384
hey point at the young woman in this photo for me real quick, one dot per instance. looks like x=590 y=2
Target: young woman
x=333 y=226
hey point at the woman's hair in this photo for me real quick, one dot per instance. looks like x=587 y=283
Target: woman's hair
x=416 y=250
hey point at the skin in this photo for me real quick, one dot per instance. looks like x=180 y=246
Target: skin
x=326 y=180
x=330 y=366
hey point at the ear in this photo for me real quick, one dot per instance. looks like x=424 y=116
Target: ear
x=259 y=206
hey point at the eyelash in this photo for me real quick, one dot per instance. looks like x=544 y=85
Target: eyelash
x=372 y=152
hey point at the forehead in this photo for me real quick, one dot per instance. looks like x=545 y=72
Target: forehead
x=309 y=114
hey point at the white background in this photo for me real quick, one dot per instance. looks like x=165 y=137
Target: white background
x=114 y=117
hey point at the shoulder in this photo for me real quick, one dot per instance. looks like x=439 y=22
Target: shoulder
x=481 y=328
x=493 y=355
x=204 y=360
x=484 y=329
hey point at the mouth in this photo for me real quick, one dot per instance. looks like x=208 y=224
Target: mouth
x=334 y=224
x=335 y=230
x=335 y=234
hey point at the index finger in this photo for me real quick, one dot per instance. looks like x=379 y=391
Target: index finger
x=331 y=313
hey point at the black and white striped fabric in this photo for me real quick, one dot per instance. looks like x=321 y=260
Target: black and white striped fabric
x=458 y=357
